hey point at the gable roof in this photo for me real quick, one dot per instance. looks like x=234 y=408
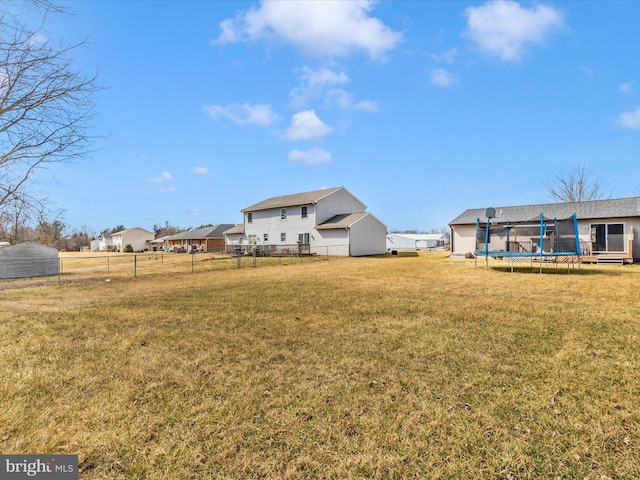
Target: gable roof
x=236 y=229
x=216 y=231
x=306 y=198
x=611 y=208
x=344 y=220
x=129 y=230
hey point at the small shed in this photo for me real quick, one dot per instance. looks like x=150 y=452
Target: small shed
x=28 y=260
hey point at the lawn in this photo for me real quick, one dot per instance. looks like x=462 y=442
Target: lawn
x=384 y=367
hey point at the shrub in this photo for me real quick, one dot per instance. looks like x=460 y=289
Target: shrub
x=128 y=248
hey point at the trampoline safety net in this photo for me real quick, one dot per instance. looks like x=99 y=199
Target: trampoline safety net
x=541 y=237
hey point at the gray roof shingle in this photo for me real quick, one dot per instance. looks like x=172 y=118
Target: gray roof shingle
x=611 y=208
x=344 y=220
x=306 y=198
x=216 y=231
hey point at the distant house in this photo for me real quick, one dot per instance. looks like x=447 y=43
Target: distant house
x=28 y=260
x=159 y=244
x=94 y=245
x=205 y=239
x=416 y=241
x=608 y=229
x=105 y=242
x=330 y=221
x=137 y=237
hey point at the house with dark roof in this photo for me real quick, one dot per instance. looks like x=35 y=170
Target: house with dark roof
x=331 y=221
x=608 y=229
x=205 y=239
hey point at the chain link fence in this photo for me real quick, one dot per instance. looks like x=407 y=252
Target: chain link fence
x=72 y=266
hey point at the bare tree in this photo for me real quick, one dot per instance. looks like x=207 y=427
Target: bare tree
x=15 y=217
x=578 y=184
x=45 y=104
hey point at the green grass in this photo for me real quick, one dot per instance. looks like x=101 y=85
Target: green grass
x=405 y=367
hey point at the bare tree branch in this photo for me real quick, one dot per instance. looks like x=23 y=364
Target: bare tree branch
x=576 y=185
x=46 y=106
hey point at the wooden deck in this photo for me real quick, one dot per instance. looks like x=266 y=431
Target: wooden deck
x=607 y=259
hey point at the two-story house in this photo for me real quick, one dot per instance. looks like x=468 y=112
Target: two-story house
x=137 y=237
x=325 y=222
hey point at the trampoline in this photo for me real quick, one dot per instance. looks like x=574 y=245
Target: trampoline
x=542 y=240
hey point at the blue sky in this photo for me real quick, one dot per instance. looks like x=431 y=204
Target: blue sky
x=421 y=109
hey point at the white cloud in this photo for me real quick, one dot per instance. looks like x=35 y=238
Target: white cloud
x=200 y=170
x=38 y=38
x=313 y=84
x=626 y=87
x=630 y=120
x=166 y=189
x=504 y=28
x=344 y=100
x=443 y=78
x=320 y=28
x=194 y=213
x=306 y=125
x=245 y=114
x=313 y=156
x=162 y=178
x=445 y=57
x=316 y=84
x=587 y=70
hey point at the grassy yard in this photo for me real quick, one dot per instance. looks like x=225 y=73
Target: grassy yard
x=394 y=367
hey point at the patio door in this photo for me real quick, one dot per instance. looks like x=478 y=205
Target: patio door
x=607 y=237
x=303 y=238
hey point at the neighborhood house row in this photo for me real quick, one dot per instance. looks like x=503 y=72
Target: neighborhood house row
x=333 y=221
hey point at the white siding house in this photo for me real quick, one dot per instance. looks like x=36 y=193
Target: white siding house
x=327 y=222
x=105 y=242
x=94 y=246
x=137 y=237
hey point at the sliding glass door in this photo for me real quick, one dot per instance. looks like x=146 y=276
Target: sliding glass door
x=607 y=237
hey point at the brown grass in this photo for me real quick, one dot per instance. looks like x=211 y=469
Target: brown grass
x=387 y=367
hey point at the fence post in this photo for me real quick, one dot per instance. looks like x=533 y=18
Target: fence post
x=59 y=272
x=135 y=265
x=193 y=256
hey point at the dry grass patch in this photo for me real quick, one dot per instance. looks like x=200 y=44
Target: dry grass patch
x=354 y=368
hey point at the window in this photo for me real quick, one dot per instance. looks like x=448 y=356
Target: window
x=304 y=212
x=253 y=239
x=303 y=238
x=283 y=214
x=249 y=217
x=283 y=237
x=265 y=237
